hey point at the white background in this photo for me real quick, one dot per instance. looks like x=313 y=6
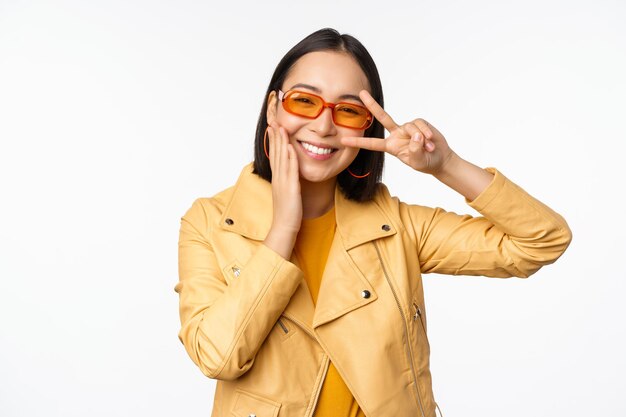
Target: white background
x=116 y=115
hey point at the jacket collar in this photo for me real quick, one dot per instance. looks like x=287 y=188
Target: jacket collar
x=249 y=213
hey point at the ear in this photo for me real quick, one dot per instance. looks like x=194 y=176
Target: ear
x=272 y=105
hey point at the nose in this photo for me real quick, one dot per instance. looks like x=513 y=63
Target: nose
x=324 y=124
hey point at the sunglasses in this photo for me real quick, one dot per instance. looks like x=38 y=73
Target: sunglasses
x=311 y=106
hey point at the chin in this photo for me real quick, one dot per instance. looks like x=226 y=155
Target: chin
x=311 y=174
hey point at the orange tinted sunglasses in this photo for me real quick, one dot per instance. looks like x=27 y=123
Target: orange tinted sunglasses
x=305 y=104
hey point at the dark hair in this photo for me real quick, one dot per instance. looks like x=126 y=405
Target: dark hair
x=327 y=39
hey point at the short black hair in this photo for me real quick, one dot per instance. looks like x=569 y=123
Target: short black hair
x=327 y=39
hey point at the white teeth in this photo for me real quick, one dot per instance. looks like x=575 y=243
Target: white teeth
x=315 y=149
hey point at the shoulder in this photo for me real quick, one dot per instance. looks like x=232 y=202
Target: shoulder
x=390 y=203
x=215 y=203
x=411 y=218
x=204 y=212
x=208 y=211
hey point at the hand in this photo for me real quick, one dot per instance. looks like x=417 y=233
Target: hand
x=286 y=194
x=417 y=143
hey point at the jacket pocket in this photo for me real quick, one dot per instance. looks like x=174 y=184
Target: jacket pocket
x=285 y=328
x=247 y=404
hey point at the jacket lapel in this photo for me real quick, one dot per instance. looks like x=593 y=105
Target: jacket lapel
x=344 y=288
x=343 y=284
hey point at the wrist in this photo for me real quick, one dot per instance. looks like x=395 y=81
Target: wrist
x=283 y=230
x=464 y=177
x=281 y=240
x=448 y=167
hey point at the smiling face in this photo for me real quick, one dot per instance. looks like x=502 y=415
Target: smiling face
x=335 y=77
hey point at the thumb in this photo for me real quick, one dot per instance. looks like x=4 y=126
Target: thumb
x=416 y=150
x=416 y=143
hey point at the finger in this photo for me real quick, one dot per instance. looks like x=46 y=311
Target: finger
x=374 y=144
x=285 y=151
x=293 y=162
x=418 y=135
x=414 y=135
x=412 y=130
x=429 y=145
x=417 y=153
x=415 y=145
x=421 y=138
x=282 y=152
x=424 y=127
x=277 y=143
x=377 y=111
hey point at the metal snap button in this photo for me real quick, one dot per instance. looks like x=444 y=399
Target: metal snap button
x=386 y=227
x=365 y=294
x=229 y=221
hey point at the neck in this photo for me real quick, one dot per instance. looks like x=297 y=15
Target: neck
x=317 y=197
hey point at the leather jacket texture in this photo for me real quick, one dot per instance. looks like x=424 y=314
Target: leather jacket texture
x=248 y=321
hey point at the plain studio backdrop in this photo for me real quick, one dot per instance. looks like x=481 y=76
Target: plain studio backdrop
x=116 y=115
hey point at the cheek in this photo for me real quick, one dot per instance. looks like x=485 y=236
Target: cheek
x=290 y=122
x=350 y=154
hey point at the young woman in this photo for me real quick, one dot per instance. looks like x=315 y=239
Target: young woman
x=300 y=286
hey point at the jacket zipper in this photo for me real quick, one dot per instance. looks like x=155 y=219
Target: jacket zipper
x=418 y=314
x=406 y=331
x=318 y=389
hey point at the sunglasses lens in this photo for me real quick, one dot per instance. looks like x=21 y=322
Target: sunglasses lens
x=351 y=116
x=308 y=105
x=303 y=104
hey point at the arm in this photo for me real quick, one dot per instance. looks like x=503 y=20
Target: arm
x=224 y=325
x=464 y=177
x=515 y=236
x=517 y=233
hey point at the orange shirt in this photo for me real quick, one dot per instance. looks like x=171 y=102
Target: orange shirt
x=311 y=249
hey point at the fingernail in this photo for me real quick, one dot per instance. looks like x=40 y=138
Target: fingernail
x=416 y=137
x=430 y=146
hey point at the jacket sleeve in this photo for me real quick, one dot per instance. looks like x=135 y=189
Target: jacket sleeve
x=224 y=325
x=515 y=236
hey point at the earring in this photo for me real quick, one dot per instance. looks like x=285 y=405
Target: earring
x=358 y=176
x=264 y=147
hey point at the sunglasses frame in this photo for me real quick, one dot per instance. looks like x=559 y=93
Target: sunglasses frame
x=282 y=96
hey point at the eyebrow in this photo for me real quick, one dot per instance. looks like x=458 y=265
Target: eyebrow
x=318 y=91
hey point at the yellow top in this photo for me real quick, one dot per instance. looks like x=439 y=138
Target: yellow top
x=311 y=249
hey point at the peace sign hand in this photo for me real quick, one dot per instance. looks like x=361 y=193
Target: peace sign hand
x=417 y=143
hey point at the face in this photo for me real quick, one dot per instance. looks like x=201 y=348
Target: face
x=330 y=75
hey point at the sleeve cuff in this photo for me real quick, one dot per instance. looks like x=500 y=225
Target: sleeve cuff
x=490 y=192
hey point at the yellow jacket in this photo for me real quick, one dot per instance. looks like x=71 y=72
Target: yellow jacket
x=249 y=322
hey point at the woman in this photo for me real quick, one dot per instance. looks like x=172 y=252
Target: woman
x=300 y=286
